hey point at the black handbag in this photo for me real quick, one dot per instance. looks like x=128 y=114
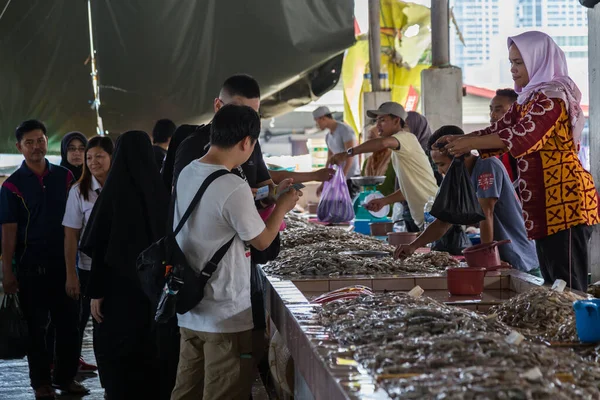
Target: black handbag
x=14 y=337
x=170 y=283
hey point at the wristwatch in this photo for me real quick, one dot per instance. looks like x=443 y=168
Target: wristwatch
x=350 y=151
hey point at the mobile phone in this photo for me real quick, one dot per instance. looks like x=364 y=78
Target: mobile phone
x=296 y=186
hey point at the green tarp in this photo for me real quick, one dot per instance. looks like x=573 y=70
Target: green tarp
x=161 y=58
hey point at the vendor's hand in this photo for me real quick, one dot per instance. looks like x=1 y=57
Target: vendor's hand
x=288 y=200
x=319 y=190
x=339 y=158
x=324 y=174
x=10 y=283
x=462 y=145
x=443 y=141
x=254 y=190
x=72 y=286
x=375 y=205
x=404 y=250
x=96 y=307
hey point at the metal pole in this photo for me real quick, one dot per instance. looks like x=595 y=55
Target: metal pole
x=594 y=125
x=374 y=44
x=440 y=29
x=94 y=74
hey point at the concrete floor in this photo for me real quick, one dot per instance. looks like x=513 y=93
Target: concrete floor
x=14 y=378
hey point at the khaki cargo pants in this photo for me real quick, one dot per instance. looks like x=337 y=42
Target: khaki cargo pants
x=214 y=366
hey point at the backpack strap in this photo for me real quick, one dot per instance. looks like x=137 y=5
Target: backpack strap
x=211 y=266
x=197 y=198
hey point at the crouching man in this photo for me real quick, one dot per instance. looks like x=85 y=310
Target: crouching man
x=500 y=205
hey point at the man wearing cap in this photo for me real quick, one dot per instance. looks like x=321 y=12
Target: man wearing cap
x=412 y=167
x=340 y=138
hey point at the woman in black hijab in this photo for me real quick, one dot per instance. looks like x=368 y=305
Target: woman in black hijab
x=129 y=215
x=181 y=133
x=72 y=149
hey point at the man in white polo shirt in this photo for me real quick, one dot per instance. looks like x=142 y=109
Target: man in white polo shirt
x=339 y=138
x=412 y=167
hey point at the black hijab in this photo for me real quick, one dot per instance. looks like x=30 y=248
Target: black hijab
x=181 y=133
x=64 y=144
x=129 y=215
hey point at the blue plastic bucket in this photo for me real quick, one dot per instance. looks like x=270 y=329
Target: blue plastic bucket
x=587 y=316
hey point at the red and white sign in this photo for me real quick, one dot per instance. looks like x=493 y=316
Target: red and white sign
x=412 y=99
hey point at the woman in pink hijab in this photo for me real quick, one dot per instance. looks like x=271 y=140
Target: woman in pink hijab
x=542 y=131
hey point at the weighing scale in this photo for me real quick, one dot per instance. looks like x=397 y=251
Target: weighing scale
x=364 y=217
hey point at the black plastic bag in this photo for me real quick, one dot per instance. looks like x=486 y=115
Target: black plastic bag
x=453 y=242
x=13 y=329
x=456 y=202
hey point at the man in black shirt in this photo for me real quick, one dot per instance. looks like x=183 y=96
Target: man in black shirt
x=161 y=136
x=241 y=90
x=244 y=90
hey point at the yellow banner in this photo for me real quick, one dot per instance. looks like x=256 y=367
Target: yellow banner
x=405 y=52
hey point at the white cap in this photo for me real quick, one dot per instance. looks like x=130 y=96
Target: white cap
x=321 y=112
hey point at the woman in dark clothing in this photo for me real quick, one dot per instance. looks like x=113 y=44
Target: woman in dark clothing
x=167 y=334
x=129 y=215
x=181 y=133
x=72 y=149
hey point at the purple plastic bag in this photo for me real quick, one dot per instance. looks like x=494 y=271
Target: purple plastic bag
x=335 y=204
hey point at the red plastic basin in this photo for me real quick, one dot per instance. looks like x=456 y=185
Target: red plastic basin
x=484 y=255
x=465 y=281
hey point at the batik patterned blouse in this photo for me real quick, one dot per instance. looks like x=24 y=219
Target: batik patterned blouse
x=556 y=191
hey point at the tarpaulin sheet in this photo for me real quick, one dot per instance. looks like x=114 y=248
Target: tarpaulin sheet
x=156 y=58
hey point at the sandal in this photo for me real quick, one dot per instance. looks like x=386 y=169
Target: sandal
x=45 y=393
x=73 y=387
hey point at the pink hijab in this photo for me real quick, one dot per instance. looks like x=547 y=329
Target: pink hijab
x=548 y=73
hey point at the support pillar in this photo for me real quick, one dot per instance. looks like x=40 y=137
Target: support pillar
x=375 y=44
x=594 y=123
x=441 y=85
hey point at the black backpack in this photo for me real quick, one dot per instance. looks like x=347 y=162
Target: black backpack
x=166 y=277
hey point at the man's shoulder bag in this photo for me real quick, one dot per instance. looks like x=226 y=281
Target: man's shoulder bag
x=171 y=284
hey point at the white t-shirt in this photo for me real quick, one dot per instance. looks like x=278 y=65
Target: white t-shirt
x=226 y=210
x=77 y=214
x=414 y=173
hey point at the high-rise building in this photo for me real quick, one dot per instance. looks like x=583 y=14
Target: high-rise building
x=550 y=13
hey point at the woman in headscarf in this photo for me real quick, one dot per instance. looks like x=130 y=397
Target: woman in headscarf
x=418 y=126
x=379 y=164
x=181 y=133
x=129 y=215
x=542 y=131
x=72 y=148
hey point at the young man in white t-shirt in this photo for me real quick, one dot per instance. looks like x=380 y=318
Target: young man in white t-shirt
x=413 y=170
x=215 y=359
